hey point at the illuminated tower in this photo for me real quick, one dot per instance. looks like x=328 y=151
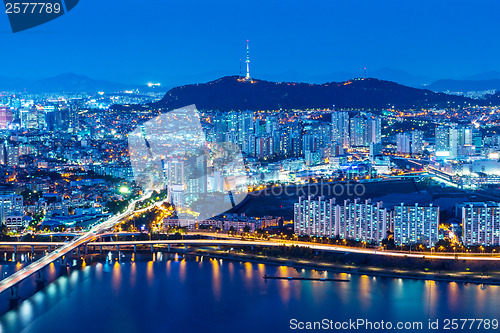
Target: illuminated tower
x=248 y=62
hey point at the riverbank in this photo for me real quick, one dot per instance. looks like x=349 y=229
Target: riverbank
x=448 y=276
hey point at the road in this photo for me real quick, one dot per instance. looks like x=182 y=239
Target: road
x=93 y=234
x=27 y=271
x=319 y=247
x=232 y=241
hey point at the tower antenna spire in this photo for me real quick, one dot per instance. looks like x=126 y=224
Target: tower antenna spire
x=248 y=61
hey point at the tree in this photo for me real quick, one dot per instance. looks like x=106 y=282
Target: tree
x=116 y=206
x=389 y=244
x=60 y=228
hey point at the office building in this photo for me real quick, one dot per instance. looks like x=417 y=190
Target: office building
x=11 y=206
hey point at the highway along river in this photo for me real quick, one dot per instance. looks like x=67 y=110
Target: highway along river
x=175 y=293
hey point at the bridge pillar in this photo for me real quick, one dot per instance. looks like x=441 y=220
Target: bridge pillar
x=14 y=292
x=63 y=265
x=40 y=276
x=32 y=249
x=100 y=249
x=168 y=247
x=15 y=249
x=135 y=248
x=79 y=252
x=85 y=249
x=185 y=247
x=152 y=248
x=13 y=296
x=118 y=248
x=219 y=247
x=49 y=248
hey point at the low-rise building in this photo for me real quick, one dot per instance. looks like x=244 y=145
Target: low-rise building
x=229 y=222
x=15 y=222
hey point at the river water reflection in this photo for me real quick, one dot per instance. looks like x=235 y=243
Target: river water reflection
x=170 y=293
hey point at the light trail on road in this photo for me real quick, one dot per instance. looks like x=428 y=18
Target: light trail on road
x=27 y=271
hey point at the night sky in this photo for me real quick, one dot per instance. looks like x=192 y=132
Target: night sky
x=190 y=41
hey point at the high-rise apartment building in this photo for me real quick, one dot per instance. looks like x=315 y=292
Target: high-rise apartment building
x=480 y=223
x=6 y=117
x=417 y=142
x=358 y=131
x=455 y=141
x=403 y=143
x=416 y=225
x=340 y=128
x=358 y=220
x=362 y=221
x=442 y=142
x=315 y=216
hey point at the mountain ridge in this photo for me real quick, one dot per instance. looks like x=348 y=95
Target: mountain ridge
x=236 y=93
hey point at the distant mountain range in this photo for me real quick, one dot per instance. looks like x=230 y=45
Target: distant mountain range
x=70 y=82
x=235 y=93
x=464 y=85
x=67 y=82
x=75 y=83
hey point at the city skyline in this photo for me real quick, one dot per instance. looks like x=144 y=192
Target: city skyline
x=163 y=161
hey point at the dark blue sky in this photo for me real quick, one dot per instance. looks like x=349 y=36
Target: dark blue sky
x=193 y=40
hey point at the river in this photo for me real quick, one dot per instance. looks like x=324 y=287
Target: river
x=172 y=293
